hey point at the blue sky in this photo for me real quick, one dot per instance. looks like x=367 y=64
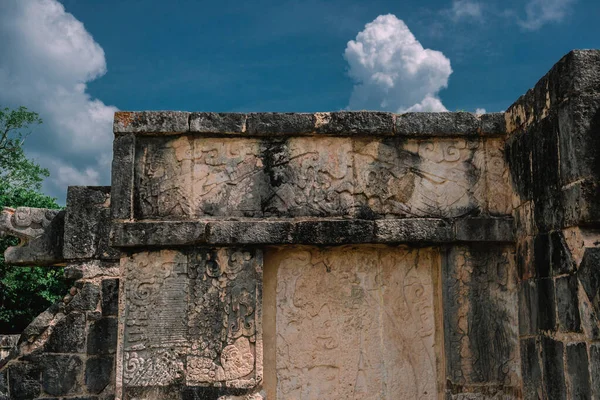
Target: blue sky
x=77 y=61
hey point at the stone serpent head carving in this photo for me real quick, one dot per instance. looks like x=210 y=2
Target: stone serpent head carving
x=39 y=233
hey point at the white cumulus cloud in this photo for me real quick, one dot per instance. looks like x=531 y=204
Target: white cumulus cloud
x=462 y=9
x=541 y=12
x=480 y=111
x=47 y=58
x=392 y=71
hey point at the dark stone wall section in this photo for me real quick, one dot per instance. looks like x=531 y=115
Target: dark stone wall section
x=74 y=357
x=68 y=351
x=553 y=153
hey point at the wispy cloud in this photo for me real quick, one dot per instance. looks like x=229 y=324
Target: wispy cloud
x=540 y=12
x=47 y=58
x=465 y=9
x=392 y=71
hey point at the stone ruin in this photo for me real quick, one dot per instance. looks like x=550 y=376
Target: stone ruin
x=342 y=255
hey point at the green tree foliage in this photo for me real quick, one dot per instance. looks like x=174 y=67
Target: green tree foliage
x=24 y=291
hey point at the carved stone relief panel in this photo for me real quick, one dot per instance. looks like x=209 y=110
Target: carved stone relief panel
x=481 y=318
x=192 y=317
x=445 y=177
x=310 y=177
x=163 y=178
x=498 y=192
x=228 y=177
x=191 y=177
x=355 y=323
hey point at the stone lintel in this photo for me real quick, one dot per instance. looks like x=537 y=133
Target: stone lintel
x=342 y=123
x=322 y=231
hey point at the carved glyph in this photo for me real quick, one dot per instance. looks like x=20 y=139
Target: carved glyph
x=193 y=316
x=356 y=323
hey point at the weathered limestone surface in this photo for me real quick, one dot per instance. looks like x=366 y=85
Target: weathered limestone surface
x=69 y=350
x=481 y=322
x=355 y=322
x=40 y=232
x=186 y=177
x=553 y=154
x=192 y=317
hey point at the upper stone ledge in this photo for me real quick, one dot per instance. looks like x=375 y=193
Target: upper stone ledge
x=342 y=123
x=577 y=74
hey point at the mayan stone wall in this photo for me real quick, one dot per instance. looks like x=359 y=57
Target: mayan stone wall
x=327 y=255
x=554 y=155
x=343 y=255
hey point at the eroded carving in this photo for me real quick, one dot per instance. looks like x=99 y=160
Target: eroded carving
x=445 y=177
x=307 y=176
x=312 y=177
x=39 y=231
x=356 y=323
x=193 y=317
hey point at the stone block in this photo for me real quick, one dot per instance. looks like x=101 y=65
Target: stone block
x=110 y=297
x=549 y=212
x=334 y=232
x=218 y=123
x=68 y=335
x=524 y=258
x=24 y=381
x=528 y=308
x=589 y=276
x=437 y=124
x=352 y=322
x=595 y=368
x=578 y=374
x=546 y=304
x=562 y=261
x=493 y=124
x=554 y=374
x=102 y=337
x=61 y=374
x=122 y=176
x=86 y=298
x=99 y=373
x=575 y=74
x=581 y=205
x=151 y=122
x=249 y=232
x=280 y=123
x=209 y=336
x=579 y=123
x=531 y=369
x=479 y=289
x=413 y=230
x=364 y=123
x=545 y=158
x=87 y=222
x=484 y=230
x=567 y=303
x=90 y=269
x=541 y=255
x=518 y=150
x=166 y=233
